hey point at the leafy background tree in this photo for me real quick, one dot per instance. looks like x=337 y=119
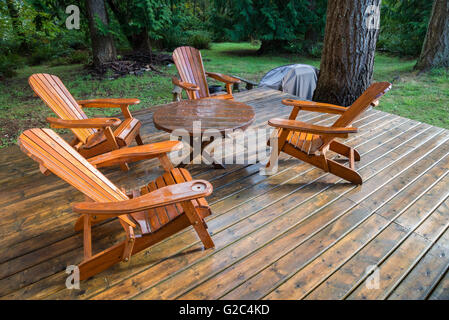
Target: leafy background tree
x=292 y=26
x=280 y=25
x=287 y=31
x=403 y=26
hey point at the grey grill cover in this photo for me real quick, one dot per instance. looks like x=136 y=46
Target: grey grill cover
x=297 y=79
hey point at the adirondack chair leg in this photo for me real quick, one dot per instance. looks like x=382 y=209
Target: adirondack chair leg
x=79 y=224
x=351 y=159
x=44 y=170
x=198 y=224
x=282 y=139
x=165 y=162
x=113 y=255
x=129 y=242
x=229 y=88
x=344 y=172
x=87 y=237
x=139 y=140
x=344 y=150
x=114 y=146
x=325 y=164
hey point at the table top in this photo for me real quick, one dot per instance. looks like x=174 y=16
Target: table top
x=216 y=114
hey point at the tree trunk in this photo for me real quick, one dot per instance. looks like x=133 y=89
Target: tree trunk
x=102 y=45
x=347 y=60
x=435 y=50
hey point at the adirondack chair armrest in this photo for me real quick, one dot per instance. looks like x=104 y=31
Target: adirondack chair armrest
x=131 y=154
x=108 y=103
x=296 y=125
x=111 y=103
x=315 y=106
x=171 y=194
x=185 y=85
x=222 y=77
x=98 y=123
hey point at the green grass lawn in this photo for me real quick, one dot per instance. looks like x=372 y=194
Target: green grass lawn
x=421 y=97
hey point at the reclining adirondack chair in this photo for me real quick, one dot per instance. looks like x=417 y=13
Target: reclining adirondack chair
x=310 y=143
x=92 y=136
x=190 y=67
x=165 y=206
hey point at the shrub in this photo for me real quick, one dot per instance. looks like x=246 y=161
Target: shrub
x=43 y=53
x=199 y=39
x=173 y=38
x=77 y=57
x=315 y=50
x=8 y=65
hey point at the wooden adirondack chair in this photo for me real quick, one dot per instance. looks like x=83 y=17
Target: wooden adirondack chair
x=310 y=143
x=190 y=67
x=92 y=136
x=165 y=206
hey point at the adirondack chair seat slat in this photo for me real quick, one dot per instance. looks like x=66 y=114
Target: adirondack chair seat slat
x=89 y=141
x=306 y=142
x=152 y=220
x=179 y=204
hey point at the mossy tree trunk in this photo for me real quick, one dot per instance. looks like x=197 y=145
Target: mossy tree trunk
x=347 y=59
x=103 y=47
x=435 y=50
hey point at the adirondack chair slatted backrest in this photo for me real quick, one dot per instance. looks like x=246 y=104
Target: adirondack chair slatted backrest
x=373 y=93
x=51 y=151
x=53 y=92
x=189 y=64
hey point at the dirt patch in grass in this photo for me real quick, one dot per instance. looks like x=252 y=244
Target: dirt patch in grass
x=10 y=127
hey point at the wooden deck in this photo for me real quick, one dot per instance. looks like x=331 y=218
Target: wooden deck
x=300 y=233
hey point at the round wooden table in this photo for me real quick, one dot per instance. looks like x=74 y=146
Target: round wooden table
x=221 y=116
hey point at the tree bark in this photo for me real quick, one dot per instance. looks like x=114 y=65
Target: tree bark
x=347 y=60
x=435 y=50
x=103 y=48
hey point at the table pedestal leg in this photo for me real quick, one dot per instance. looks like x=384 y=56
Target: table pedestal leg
x=191 y=156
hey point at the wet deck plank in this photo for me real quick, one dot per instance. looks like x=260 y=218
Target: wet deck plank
x=300 y=233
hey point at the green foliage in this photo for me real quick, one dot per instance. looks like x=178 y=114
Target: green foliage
x=9 y=63
x=172 y=39
x=403 y=26
x=185 y=27
x=315 y=50
x=43 y=53
x=199 y=39
x=39 y=35
x=136 y=16
x=421 y=97
x=282 y=22
x=76 y=57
